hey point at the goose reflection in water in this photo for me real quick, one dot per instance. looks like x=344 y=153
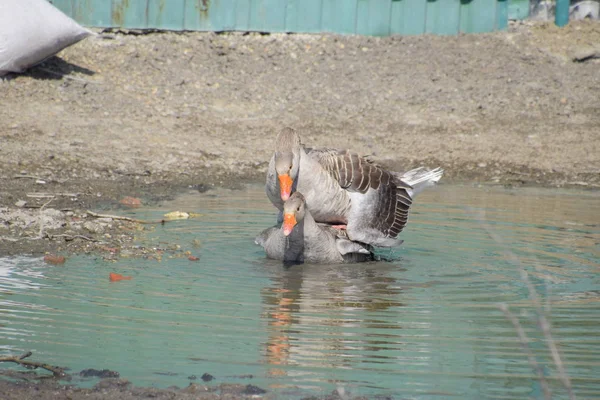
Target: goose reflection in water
x=317 y=315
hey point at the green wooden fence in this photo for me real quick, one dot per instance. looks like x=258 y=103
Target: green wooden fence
x=366 y=17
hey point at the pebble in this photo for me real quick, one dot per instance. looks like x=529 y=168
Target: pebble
x=21 y=203
x=93 y=227
x=251 y=389
x=206 y=377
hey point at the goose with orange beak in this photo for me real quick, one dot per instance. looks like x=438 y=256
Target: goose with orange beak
x=346 y=190
x=301 y=239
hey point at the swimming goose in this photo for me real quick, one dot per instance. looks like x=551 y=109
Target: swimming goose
x=301 y=239
x=341 y=187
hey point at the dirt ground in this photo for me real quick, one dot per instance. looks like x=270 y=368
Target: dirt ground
x=148 y=115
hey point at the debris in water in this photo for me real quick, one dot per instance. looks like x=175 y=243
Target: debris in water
x=113 y=277
x=174 y=215
x=177 y=215
x=251 y=389
x=54 y=259
x=105 y=373
x=131 y=201
x=206 y=377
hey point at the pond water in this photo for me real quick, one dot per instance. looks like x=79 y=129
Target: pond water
x=424 y=324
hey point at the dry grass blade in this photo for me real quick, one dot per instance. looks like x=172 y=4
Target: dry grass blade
x=118 y=217
x=524 y=340
x=542 y=320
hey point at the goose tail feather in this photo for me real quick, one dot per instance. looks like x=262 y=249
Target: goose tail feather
x=420 y=178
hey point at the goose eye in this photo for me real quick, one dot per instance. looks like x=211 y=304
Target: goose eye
x=298 y=209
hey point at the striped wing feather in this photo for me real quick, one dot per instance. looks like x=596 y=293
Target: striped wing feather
x=358 y=174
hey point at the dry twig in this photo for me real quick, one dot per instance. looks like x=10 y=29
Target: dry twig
x=58 y=372
x=48 y=195
x=72 y=237
x=118 y=217
x=40 y=178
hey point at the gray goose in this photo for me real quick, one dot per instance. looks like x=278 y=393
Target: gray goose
x=300 y=239
x=341 y=187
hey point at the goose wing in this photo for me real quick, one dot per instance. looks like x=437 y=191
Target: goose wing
x=358 y=174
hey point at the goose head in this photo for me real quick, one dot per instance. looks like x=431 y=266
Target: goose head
x=287 y=160
x=294 y=210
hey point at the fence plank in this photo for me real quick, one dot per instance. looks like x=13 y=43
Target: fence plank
x=477 y=16
x=338 y=16
x=129 y=14
x=65 y=6
x=408 y=17
x=502 y=14
x=196 y=15
x=267 y=15
x=242 y=15
x=92 y=12
x=304 y=16
x=443 y=17
x=367 y=17
x=166 y=14
x=379 y=17
x=222 y=15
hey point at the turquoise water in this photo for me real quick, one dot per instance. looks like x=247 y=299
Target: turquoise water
x=425 y=324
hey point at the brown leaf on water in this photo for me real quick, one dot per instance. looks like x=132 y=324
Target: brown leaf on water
x=131 y=201
x=114 y=277
x=54 y=259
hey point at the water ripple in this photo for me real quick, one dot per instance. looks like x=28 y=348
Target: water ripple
x=423 y=324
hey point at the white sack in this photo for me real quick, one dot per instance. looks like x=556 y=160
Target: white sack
x=33 y=30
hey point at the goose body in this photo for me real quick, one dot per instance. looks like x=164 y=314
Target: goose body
x=301 y=239
x=341 y=187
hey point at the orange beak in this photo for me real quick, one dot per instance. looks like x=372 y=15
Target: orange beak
x=289 y=221
x=285 y=185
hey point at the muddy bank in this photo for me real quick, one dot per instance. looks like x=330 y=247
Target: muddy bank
x=30 y=385
x=150 y=115
x=118 y=388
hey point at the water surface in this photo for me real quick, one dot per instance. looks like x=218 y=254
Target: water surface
x=425 y=324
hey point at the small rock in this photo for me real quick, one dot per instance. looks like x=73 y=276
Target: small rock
x=251 y=389
x=105 y=373
x=110 y=383
x=192 y=377
x=93 y=227
x=194 y=388
x=193 y=258
x=231 y=388
x=206 y=377
x=21 y=203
